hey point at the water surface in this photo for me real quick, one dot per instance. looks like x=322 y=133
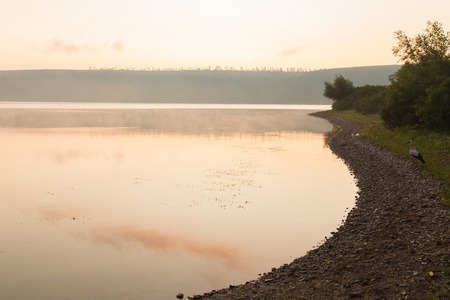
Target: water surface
x=146 y=203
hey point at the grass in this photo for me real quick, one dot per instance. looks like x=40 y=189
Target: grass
x=434 y=147
x=438 y=284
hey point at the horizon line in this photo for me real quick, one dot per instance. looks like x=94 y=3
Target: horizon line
x=209 y=68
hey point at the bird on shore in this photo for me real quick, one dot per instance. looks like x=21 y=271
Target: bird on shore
x=414 y=153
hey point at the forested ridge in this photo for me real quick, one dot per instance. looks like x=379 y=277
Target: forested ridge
x=257 y=87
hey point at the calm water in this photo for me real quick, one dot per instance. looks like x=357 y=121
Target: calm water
x=142 y=203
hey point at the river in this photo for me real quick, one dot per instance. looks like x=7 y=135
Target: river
x=139 y=201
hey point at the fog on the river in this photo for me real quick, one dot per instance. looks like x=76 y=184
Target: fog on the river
x=144 y=204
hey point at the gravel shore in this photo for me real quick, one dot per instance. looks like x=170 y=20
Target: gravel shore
x=394 y=243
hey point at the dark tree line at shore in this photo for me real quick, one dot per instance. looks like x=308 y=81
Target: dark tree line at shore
x=364 y=99
x=419 y=92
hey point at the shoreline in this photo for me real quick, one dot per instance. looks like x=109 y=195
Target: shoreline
x=394 y=243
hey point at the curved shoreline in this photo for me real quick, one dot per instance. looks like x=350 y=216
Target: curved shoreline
x=397 y=233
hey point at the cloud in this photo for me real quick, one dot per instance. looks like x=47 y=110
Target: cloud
x=59 y=45
x=291 y=51
x=118 y=47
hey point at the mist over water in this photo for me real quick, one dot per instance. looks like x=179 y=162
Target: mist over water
x=147 y=203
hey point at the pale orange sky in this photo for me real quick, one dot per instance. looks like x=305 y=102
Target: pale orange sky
x=49 y=34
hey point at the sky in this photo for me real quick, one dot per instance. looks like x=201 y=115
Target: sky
x=139 y=34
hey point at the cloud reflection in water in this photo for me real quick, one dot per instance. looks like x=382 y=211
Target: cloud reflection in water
x=121 y=237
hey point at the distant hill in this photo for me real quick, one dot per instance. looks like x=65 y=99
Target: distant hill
x=181 y=86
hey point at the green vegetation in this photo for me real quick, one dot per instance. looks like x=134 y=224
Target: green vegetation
x=434 y=146
x=437 y=281
x=365 y=99
x=419 y=93
x=339 y=90
x=416 y=105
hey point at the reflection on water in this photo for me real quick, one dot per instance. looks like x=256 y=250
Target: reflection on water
x=151 y=239
x=144 y=204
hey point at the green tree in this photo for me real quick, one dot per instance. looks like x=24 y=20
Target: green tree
x=407 y=89
x=370 y=98
x=365 y=99
x=435 y=110
x=420 y=86
x=432 y=45
x=339 y=89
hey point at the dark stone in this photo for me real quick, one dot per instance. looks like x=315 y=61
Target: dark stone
x=355 y=294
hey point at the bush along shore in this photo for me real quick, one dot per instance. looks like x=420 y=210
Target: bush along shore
x=394 y=243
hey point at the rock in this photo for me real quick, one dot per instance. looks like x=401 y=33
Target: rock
x=355 y=294
x=180 y=296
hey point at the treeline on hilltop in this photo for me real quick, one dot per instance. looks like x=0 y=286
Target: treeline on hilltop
x=200 y=86
x=418 y=93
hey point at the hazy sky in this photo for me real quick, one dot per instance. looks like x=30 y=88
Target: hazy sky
x=67 y=34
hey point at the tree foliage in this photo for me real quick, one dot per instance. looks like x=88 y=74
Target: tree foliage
x=365 y=99
x=372 y=99
x=419 y=90
x=339 y=89
x=435 y=110
x=432 y=45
